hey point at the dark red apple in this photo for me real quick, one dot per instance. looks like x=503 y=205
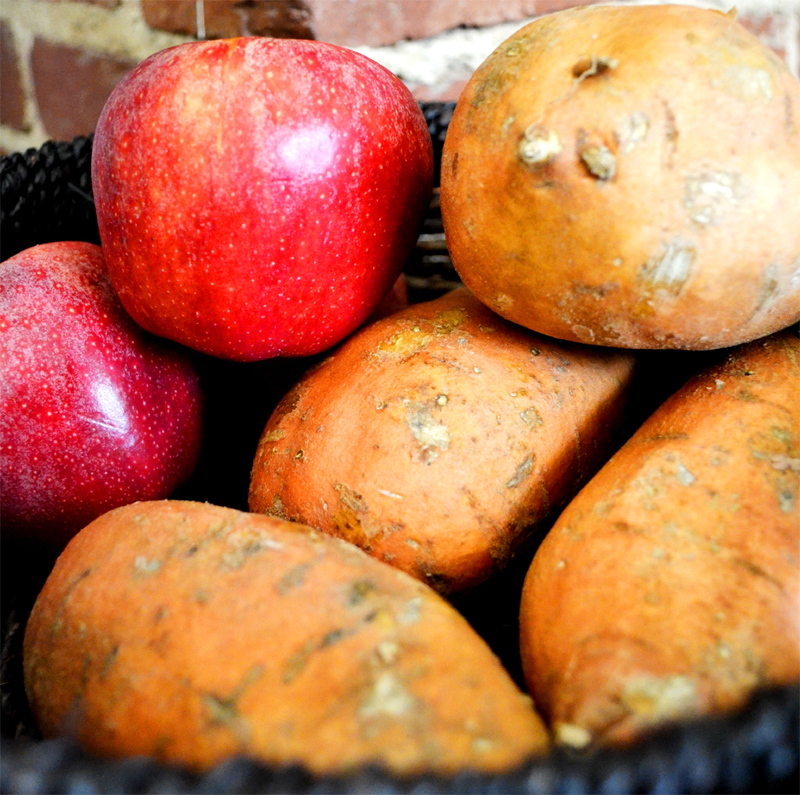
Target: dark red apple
x=258 y=197
x=94 y=412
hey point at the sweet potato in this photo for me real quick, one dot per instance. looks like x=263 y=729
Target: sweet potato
x=670 y=586
x=192 y=633
x=441 y=438
x=627 y=176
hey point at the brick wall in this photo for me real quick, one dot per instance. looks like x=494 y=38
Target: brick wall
x=59 y=59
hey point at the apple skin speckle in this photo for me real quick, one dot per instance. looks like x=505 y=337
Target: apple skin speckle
x=258 y=197
x=94 y=412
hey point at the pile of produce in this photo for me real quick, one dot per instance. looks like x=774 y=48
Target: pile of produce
x=607 y=409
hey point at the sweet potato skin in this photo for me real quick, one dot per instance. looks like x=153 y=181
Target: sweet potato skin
x=626 y=176
x=192 y=633
x=440 y=439
x=669 y=587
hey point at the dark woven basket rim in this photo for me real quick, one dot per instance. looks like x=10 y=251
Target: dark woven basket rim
x=752 y=751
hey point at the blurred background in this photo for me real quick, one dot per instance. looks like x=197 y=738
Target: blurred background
x=62 y=58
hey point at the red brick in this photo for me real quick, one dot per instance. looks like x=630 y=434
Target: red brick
x=174 y=16
x=551 y=6
x=285 y=20
x=71 y=86
x=12 y=97
x=382 y=22
x=347 y=22
x=229 y=18
x=771 y=28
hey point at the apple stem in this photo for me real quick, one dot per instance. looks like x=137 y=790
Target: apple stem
x=200 y=17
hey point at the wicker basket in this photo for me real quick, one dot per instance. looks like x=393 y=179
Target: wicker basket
x=46 y=196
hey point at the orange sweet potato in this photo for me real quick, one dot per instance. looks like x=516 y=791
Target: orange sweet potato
x=192 y=633
x=670 y=586
x=627 y=176
x=441 y=438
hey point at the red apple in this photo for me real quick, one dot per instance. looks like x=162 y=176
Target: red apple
x=258 y=197
x=94 y=412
